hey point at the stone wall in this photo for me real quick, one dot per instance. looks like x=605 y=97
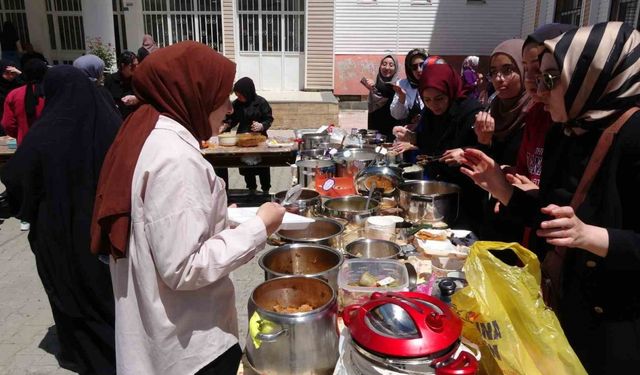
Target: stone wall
x=294 y=115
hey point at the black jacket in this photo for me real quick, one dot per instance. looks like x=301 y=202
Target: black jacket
x=435 y=135
x=244 y=114
x=119 y=88
x=600 y=309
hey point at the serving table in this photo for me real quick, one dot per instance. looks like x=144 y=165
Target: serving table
x=218 y=156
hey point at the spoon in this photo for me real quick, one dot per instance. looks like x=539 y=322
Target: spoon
x=292 y=194
x=372 y=188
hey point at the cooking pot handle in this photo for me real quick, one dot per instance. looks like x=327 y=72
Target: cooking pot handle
x=465 y=364
x=422 y=199
x=270 y=337
x=347 y=313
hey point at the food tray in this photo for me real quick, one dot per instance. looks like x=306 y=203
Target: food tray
x=352 y=270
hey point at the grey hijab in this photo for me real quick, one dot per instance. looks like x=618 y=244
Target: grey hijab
x=91 y=65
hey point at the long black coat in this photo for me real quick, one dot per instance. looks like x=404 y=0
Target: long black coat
x=244 y=114
x=51 y=183
x=600 y=309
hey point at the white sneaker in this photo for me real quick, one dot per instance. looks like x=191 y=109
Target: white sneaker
x=24 y=226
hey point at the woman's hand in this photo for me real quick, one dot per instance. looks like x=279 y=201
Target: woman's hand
x=401 y=147
x=271 y=215
x=453 y=157
x=401 y=133
x=521 y=181
x=369 y=84
x=130 y=100
x=487 y=174
x=257 y=127
x=402 y=94
x=566 y=229
x=484 y=127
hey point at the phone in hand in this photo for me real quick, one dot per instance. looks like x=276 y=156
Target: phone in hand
x=363 y=80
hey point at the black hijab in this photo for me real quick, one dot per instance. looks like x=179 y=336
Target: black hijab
x=34 y=71
x=383 y=89
x=59 y=160
x=416 y=52
x=245 y=87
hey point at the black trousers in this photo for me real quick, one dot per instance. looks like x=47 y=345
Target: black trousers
x=226 y=364
x=250 y=174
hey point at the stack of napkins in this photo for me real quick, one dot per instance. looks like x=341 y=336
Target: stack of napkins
x=238 y=215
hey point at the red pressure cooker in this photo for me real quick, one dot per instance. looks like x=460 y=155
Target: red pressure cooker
x=409 y=328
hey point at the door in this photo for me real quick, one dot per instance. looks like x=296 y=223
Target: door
x=270 y=36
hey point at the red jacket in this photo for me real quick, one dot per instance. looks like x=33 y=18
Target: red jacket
x=538 y=122
x=14 y=118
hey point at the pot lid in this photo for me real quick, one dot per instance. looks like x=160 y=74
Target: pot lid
x=403 y=324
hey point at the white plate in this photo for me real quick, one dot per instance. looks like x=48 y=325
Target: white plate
x=271 y=143
x=239 y=215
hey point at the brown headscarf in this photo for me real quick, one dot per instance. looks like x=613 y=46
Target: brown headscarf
x=509 y=113
x=186 y=82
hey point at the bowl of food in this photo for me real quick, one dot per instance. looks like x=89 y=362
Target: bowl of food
x=227 y=139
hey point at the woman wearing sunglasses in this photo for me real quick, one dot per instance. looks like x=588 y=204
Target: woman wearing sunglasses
x=407 y=104
x=589 y=80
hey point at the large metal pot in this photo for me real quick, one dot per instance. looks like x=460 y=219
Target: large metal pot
x=351 y=161
x=313 y=141
x=351 y=208
x=322 y=231
x=373 y=248
x=306 y=205
x=429 y=201
x=297 y=343
x=307 y=170
x=314 y=154
x=305 y=259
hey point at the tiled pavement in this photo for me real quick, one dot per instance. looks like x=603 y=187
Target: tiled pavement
x=27 y=334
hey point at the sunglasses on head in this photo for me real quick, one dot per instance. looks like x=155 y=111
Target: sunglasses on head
x=548 y=80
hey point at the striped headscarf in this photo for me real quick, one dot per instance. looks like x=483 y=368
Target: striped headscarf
x=600 y=71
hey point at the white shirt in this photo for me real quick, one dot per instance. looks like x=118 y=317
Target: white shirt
x=400 y=111
x=175 y=308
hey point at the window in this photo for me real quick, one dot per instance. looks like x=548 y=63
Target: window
x=271 y=25
x=568 y=11
x=119 y=27
x=14 y=11
x=172 y=21
x=64 y=18
x=626 y=11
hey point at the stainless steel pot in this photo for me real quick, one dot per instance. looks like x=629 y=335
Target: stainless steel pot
x=322 y=231
x=307 y=170
x=373 y=248
x=306 y=259
x=298 y=343
x=313 y=141
x=388 y=175
x=351 y=161
x=306 y=205
x=429 y=201
x=351 y=208
x=314 y=154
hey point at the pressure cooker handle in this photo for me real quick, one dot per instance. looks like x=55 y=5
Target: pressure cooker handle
x=465 y=364
x=347 y=314
x=422 y=198
x=271 y=336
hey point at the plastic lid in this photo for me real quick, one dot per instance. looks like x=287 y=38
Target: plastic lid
x=447 y=287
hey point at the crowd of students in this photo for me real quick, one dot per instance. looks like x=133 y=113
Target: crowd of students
x=558 y=150
x=556 y=147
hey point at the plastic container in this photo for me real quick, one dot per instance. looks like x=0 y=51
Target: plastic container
x=349 y=292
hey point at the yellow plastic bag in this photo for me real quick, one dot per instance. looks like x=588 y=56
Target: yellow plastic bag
x=503 y=312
